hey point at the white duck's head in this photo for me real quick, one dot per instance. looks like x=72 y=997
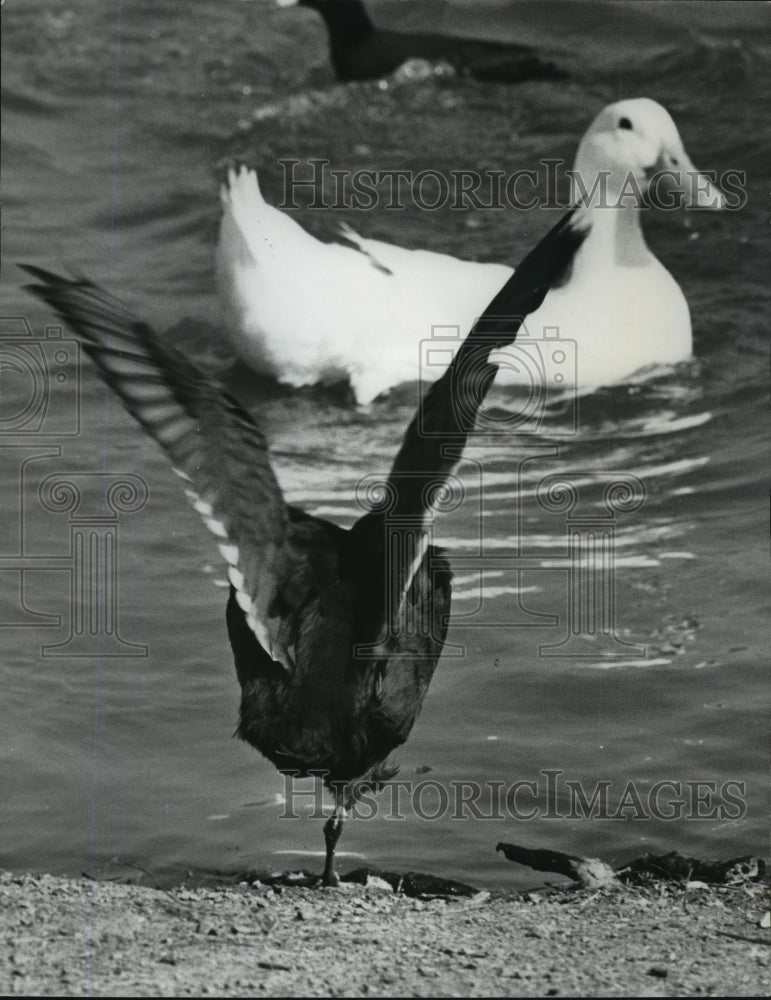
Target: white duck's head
x=633 y=151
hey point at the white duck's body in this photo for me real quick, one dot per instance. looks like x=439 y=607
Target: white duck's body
x=303 y=311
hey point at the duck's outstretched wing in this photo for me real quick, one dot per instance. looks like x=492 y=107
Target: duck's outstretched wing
x=446 y=416
x=213 y=443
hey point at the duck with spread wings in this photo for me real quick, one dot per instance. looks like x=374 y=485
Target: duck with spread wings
x=335 y=641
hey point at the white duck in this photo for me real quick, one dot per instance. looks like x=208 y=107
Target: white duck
x=303 y=311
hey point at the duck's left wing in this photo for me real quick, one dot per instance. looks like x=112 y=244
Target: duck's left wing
x=213 y=443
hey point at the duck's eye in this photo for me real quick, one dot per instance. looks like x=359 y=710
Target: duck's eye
x=625 y=123
x=675 y=162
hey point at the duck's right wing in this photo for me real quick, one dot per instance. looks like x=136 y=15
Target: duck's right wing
x=435 y=439
x=214 y=445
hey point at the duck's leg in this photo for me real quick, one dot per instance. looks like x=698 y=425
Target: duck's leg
x=332 y=830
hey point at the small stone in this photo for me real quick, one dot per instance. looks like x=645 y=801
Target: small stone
x=373 y=882
x=298 y=878
x=242 y=929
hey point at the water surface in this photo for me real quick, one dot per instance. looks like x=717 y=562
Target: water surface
x=118 y=121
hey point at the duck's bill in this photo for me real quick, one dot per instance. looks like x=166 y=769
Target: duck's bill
x=682 y=187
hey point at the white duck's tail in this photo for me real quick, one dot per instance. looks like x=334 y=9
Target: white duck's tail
x=242 y=191
x=245 y=216
x=259 y=255
x=242 y=208
x=250 y=225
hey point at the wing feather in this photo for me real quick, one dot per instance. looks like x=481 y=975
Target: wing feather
x=213 y=443
x=434 y=441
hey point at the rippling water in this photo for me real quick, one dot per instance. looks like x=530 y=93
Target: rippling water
x=118 y=119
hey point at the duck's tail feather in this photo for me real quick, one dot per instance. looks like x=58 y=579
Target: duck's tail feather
x=242 y=190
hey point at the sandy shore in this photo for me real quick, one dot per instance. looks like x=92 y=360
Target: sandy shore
x=71 y=937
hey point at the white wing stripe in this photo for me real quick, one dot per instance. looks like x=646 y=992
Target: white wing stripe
x=216 y=527
x=229 y=553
